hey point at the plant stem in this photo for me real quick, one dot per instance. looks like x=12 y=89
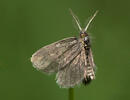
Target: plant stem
x=71 y=93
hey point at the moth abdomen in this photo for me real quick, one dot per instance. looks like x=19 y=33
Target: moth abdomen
x=89 y=76
x=86 y=80
x=90 y=73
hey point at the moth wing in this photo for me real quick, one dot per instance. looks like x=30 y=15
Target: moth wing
x=90 y=57
x=91 y=69
x=69 y=55
x=45 y=58
x=73 y=73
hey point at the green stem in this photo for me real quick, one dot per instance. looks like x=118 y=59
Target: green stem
x=71 y=93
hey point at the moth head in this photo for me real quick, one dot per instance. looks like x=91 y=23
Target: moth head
x=78 y=24
x=84 y=36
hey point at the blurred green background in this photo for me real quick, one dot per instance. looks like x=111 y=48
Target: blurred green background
x=27 y=25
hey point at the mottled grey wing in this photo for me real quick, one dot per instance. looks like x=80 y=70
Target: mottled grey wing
x=52 y=57
x=92 y=68
x=90 y=57
x=73 y=73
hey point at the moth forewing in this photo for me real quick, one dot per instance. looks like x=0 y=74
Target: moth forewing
x=91 y=58
x=45 y=59
x=69 y=55
x=92 y=65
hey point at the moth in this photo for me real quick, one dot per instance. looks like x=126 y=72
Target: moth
x=70 y=58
